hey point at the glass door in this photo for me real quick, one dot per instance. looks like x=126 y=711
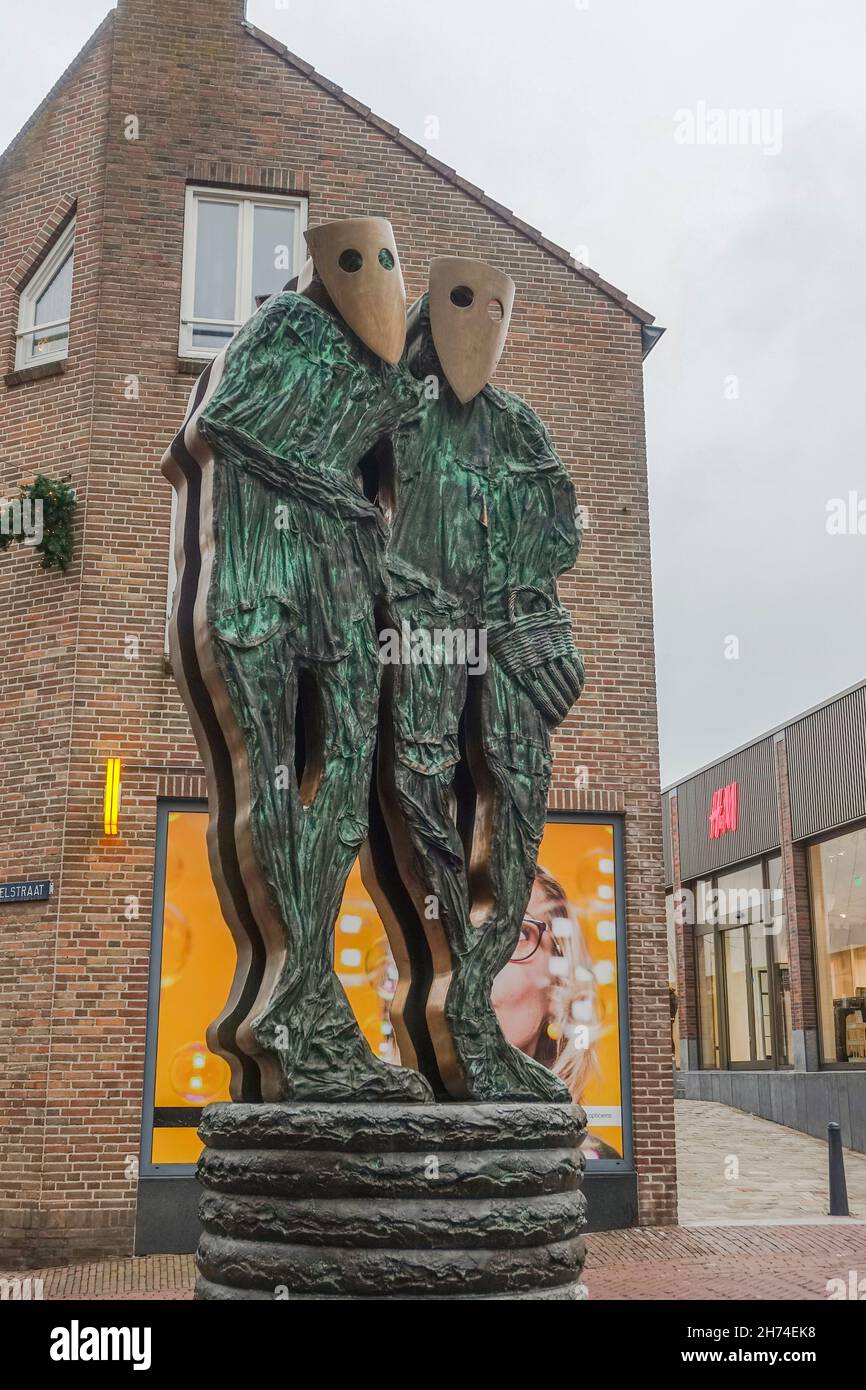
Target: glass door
x=744 y=1002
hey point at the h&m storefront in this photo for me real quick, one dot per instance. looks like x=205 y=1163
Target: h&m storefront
x=562 y=999
x=765 y=861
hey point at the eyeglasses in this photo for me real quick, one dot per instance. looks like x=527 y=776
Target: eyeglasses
x=531 y=936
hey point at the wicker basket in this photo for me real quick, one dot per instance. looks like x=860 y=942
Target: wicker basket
x=537 y=650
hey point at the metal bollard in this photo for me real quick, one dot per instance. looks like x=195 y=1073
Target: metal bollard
x=838 y=1186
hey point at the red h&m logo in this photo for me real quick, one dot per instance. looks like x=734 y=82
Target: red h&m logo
x=724 y=811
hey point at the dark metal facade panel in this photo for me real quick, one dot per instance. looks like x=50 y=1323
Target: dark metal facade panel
x=666 y=840
x=827 y=766
x=754 y=771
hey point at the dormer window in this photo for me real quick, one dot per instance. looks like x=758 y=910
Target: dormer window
x=44 y=306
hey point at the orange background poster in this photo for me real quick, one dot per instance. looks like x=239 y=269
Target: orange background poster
x=574 y=975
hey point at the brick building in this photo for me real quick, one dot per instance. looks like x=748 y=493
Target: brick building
x=132 y=165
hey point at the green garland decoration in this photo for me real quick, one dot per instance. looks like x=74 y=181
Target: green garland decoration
x=58 y=502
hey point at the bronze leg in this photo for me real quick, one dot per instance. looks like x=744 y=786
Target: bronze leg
x=302 y=1015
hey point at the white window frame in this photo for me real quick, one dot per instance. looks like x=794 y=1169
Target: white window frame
x=27 y=299
x=195 y=196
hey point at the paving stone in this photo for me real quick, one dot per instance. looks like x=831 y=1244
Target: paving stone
x=779 y=1174
x=760 y=1236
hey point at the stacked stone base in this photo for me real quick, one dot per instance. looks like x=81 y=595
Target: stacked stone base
x=312 y=1201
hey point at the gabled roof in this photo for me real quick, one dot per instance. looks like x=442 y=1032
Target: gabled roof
x=79 y=58
x=650 y=335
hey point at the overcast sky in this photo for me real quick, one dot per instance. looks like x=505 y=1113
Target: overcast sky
x=593 y=119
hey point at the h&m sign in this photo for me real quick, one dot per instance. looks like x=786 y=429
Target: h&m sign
x=724 y=810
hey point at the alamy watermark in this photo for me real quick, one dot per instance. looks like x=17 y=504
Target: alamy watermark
x=77 y=1343
x=760 y=126
x=22 y=518
x=853 y=1288
x=846 y=516
x=25 y=1290
x=438 y=646
x=761 y=906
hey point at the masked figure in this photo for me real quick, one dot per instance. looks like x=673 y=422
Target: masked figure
x=280 y=556
x=485 y=521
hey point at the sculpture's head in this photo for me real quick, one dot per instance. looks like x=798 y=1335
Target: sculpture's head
x=470 y=306
x=358 y=264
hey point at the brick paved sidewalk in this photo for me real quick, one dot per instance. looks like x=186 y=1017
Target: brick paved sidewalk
x=720 y=1252
x=724 y=1262
x=674 y=1262
x=143 y=1277
x=737 y=1167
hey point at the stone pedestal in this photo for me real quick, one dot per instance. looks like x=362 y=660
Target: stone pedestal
x=315 y=1201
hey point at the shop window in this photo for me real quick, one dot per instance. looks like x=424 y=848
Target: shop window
x=759 y=973
x=708 y=1013
x=838 y=884
x=744 y=994
x=196 y=961
x=737 y=995
x=560 y=999
x=740 y=896
x=673 y=985
x=44 y=307
x=237 y=250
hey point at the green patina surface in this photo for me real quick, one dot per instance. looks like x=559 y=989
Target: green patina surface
x=299 y=568
x=486 y=514
x=484 y=522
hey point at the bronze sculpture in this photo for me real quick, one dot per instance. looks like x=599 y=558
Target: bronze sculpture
x=280 y=645
x=333 y=489
x=485 y=520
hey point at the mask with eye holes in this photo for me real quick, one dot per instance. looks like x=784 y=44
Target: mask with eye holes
x=358 y=264
x=470 y=310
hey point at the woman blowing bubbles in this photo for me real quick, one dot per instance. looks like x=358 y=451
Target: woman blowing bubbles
x=546 y=997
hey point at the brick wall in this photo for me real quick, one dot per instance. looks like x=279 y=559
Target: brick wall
x=57 y=167
x=215 y=101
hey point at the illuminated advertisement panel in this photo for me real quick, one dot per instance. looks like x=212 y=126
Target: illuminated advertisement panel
x=558 y=999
